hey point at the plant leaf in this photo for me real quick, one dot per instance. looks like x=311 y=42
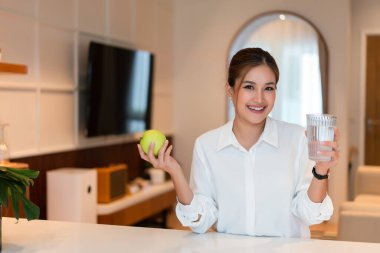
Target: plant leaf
x=13 y=185
x=4 y=195
x=15 y=198
x=20 y=175
x=25 y=172
x=32 y=211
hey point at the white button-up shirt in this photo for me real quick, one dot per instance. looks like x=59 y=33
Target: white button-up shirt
x=259 y=192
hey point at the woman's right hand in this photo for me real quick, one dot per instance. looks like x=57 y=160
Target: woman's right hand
x=163 y=160
x=167 y=163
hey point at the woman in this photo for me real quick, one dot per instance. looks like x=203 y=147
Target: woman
x=251 y=176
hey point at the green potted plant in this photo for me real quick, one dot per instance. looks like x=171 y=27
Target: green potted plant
x=13 y=185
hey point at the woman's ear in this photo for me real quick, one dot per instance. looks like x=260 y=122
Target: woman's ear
x=229 y=90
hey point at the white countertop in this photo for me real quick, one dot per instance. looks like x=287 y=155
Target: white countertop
x=51 y=236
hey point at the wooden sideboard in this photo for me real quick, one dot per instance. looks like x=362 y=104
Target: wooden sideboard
x=102 y=156
x=134 y=208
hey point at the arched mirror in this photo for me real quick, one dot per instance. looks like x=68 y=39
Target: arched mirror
x=301 y=55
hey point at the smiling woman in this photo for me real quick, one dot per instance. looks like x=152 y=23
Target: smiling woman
x=301 y=54
x=254 y=167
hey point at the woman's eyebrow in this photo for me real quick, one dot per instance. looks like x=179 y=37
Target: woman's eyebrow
x=252 y=82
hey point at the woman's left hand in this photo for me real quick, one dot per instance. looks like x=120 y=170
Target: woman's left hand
x=322 y=167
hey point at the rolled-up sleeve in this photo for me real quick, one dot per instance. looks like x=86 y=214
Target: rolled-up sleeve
x=203 y=204
x=201 y=207
x=312 y=213
x=305 y=209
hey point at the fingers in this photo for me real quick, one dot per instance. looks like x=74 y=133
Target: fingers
x=168 y=151
x=149 y=157
x=161 y=154
x=335 y=143
x=330 y=145
x=150 y=154
x=333 y=154
x=162 y=158
x=335 y=147
x=336 y=134
x=330 y=149
x=142 y=154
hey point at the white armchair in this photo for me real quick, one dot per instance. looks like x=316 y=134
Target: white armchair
x=359 y=220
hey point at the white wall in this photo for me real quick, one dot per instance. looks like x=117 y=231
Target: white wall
x=191 y=39
x=365 y=20
x=44 y=34
x=203 y=33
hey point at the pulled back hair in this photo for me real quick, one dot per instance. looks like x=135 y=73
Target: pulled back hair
x=248 y=58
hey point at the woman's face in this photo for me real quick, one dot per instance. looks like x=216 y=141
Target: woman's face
x=254 y=96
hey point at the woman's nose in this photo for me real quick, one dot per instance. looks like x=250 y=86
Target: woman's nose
x=258 y=96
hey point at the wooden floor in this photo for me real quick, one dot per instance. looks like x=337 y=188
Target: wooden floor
x=324 y=231
x=173 y=223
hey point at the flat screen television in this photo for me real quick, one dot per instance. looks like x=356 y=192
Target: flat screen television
x=119 y=90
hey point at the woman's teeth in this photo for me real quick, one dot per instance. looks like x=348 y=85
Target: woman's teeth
x=256 y=108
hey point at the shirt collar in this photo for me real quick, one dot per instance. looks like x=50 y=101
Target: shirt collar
x=226 y=137
x=269 y=135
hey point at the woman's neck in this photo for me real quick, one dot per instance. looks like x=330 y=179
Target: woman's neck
x=247 y=134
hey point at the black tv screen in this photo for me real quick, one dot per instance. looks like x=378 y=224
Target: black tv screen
x=119 y=82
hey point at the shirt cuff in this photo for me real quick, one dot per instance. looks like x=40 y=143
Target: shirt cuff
x=320 y=211
x=188 y=215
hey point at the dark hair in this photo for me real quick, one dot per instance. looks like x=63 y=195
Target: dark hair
x=248 y=58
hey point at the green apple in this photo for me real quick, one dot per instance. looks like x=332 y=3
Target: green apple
x=152 y=136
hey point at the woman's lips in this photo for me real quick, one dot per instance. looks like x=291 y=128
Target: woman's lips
x=256 y=109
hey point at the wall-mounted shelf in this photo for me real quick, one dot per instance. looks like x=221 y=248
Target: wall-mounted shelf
x=13 y=68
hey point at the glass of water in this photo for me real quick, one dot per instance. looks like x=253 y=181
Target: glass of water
x=320 y=127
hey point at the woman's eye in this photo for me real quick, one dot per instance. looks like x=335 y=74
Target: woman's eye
x=269 y=88
x=249 y=87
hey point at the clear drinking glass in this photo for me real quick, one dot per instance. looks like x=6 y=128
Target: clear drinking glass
x=320 y=127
